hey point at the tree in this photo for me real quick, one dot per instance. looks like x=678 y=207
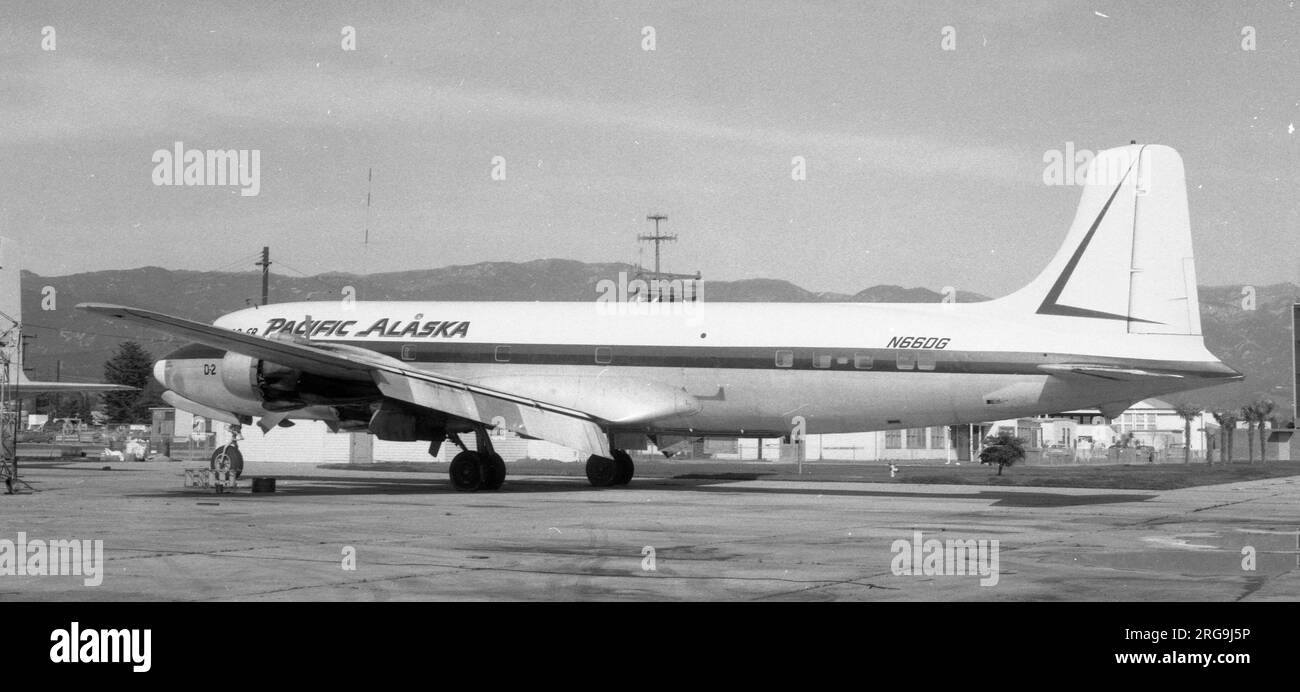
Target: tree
x=1227 y=421
x=1187 y=412
x=1248 y=415
x=131 y=365
x=1263 y=411
x=1003 y=449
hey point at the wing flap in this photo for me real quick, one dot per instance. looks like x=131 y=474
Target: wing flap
x=532 y=419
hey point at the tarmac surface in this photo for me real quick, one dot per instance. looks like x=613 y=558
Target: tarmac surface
x=409 y=536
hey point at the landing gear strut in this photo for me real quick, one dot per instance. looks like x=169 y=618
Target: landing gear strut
x=483 y=469
x=604 y=472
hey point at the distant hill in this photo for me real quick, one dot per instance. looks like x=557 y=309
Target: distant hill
x=898 y=294
x=1257 y=342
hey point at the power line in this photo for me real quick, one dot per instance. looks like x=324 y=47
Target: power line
x=244 y=260
x=306 y=276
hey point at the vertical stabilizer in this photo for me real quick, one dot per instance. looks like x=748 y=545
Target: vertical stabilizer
x=1126 y=265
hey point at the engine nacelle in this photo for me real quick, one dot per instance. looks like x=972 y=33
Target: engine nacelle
x=281 y=388
x=276 y=386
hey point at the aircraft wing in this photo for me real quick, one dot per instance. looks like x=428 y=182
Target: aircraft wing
x=1107 y=372
x=26 y=387
x=523 y=415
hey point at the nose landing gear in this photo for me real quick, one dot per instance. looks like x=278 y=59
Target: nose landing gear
x=227 y=457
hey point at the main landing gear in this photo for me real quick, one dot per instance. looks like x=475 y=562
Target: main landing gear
x=484 y=469
x=604 y=472
x=477 y=470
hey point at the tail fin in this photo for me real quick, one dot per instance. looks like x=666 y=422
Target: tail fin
x=11 y=312
x=1127 y=260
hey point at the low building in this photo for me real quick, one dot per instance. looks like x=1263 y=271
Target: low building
x=1081 y=435
x=1151 y=427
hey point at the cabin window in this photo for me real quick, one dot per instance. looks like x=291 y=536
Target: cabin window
x=821 y=360
x=925 y=360
x=841 y=360
x=408 y=352
x=604 y=354
x=906 y=360
x=862 y=361
x=784 y=359
x=503 y=354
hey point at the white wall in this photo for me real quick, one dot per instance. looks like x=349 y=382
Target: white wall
x=311 y=442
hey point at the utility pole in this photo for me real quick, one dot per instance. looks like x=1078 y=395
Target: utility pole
x=22 y=351
x=57 y=399
x=265 y=264
x=365 y=241
x=656 y=238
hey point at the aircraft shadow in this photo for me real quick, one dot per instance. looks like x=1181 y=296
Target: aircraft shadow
x=318 y=486
x=1001 y=498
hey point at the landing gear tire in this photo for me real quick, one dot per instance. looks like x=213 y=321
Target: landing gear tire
x=481 y=469
x=227 y=457
x=467 y=471
x=494 y=471
x=625 y=467
x=602 y=472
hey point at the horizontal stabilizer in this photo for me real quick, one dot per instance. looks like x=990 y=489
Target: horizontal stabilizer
x=1106 y=372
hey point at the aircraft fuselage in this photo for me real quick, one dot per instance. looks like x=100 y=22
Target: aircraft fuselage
x=831 y=367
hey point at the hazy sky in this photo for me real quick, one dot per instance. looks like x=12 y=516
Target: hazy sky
x=924 y=166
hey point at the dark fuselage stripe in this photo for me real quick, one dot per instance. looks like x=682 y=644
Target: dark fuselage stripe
x=746 y=357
